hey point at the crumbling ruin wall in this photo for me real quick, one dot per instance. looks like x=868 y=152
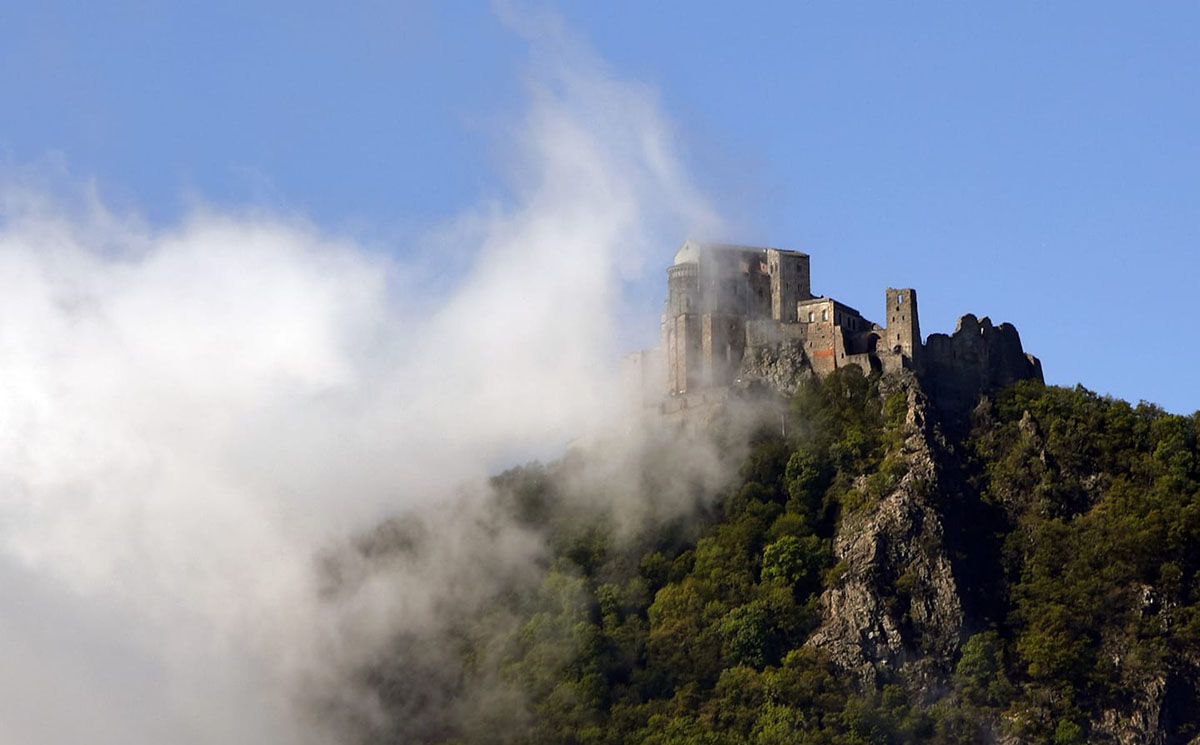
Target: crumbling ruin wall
x=977 y=357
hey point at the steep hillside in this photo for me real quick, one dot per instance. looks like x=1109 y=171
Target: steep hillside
x=863 y=578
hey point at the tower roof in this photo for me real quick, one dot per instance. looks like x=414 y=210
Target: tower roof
x=691 y=251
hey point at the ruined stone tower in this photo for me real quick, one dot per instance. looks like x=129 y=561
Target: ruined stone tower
x=903 y=333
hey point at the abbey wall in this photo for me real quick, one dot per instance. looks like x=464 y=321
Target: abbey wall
x=730 y=307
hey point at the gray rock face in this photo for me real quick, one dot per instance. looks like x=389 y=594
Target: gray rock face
x=895 y=613
x=1145 y=717
x=781 y=366
x=1141 y=723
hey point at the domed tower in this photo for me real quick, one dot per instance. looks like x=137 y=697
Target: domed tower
x=683 y=288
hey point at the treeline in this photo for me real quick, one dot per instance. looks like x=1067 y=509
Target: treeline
x=1079 y=540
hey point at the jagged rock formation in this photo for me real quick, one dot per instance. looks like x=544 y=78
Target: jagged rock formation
x=894 y=610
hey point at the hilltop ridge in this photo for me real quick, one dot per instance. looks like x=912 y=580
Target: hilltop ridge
x=914 y=543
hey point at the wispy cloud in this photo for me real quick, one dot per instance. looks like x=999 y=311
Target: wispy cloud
x=190 y=412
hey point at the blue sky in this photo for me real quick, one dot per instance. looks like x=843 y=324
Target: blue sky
x=1035 y=162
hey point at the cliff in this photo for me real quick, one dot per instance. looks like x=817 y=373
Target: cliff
x=893 y=613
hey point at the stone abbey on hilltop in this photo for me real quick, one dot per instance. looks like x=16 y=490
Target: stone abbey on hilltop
x=731 y=307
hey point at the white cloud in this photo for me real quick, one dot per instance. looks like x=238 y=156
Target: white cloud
x=189 y=413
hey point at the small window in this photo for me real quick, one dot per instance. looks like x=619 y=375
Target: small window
x=824 y=315
x=899 y=300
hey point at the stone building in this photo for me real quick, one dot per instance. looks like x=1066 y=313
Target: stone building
x=713 y=291
x=726 y=304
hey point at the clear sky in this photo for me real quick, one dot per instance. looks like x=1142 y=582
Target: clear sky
x=1035 y=162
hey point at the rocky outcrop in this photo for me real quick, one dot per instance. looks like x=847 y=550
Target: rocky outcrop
x=895 y=612
x=1155 y=701
x=781 y=366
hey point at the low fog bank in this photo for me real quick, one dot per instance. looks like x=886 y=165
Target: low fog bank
x=444 y=597
x=192 y=415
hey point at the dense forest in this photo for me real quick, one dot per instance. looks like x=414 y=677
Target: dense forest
x=1042 y=588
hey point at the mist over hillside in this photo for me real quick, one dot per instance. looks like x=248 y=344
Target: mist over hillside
x=864 y=577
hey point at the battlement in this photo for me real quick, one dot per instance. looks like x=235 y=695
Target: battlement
x=730 y=308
